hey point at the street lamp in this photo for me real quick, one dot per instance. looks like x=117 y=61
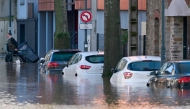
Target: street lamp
x=10 y=2
x=163 y=33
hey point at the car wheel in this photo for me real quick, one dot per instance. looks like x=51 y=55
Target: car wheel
x=76 y=74
x=62 y=73
x=148 y=84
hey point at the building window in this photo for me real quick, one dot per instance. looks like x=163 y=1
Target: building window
x=22 y=2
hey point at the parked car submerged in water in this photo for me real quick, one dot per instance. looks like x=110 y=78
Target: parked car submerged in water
x=56 y=60
x=135 y=69
x=172 y=74
x=85 y=63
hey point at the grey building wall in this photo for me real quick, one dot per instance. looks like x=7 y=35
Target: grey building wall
x=4 y=7
x=100 y=25
x=152 y=7
x=42 y=34
x=176 y=30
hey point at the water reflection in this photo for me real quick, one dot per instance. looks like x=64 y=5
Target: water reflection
x=24 y=85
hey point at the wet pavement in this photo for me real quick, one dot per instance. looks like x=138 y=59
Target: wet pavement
x=22 y=86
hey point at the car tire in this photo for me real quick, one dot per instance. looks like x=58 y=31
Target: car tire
x=62 y=73
x=148 y=84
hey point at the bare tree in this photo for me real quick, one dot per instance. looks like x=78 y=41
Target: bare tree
x=112 y=37
x=61 y=36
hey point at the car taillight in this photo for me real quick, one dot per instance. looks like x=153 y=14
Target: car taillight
x=53 y=64
x=85 y=67
x=127 y=75
x=184 y=79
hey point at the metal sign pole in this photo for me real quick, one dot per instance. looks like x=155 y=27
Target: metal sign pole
x=163 y=33
x=85 y=32
x=10 y=7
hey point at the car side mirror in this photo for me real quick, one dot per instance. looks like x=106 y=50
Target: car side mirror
x=153 y=73
x=113 y=70
x=42 y=60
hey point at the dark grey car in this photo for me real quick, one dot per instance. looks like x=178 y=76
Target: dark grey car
x=172 y=74
x=56 y=60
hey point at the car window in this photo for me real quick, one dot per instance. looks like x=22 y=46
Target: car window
x=169 y=69
x=62 y=56
x=47 y=56
x=144 y=65
x=72 y=58
x=166 y=69
x=78 y=58
x=95 y=58
x=121 y=65
x=183 y=67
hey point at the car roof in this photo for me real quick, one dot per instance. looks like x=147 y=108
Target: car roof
x=176 y=61
x=65 y=50
x=136 y=58
x=91 y=53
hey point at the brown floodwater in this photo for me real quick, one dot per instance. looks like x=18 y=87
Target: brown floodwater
x=22 y=86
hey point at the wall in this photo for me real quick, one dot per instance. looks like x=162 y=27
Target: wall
x=79 y=4
x=3 y=32
x=100 y=24
x=45 y=5
x=153 y=6
x=174 y=29
x=175 y=9
x=4 y=8
x=35 y=7
x=22 y=10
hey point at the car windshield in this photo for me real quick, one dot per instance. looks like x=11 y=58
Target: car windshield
x=144 y=66
x=62 y=56
x=183 y=67
x=95 y=58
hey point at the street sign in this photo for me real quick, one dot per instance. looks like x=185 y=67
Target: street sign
x=86 y=16
x=85 y=26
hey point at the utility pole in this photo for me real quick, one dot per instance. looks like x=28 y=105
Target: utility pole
x=163 y=33
x=10 y=7
x=93 y=37
x=85 y=33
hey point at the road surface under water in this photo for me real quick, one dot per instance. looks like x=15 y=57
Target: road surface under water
x=22 y=86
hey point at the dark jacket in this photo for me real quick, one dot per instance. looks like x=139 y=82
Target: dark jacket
x=12 y=44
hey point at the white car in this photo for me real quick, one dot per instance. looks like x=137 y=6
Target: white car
x=135 y=69
x=85 y=63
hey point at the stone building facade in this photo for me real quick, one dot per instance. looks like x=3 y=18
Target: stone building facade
x=177 y=25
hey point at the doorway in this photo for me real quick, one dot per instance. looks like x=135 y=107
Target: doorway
x=22 y=33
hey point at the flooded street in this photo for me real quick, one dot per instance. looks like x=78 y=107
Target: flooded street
x=22 y=86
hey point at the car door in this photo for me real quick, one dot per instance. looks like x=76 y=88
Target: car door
x=69 y=70
x=75 y=62
x=118 y=70
x=166 y=75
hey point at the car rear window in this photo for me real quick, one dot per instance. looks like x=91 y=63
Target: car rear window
x=95 y=59
x=144 y=66
x=62 y=56
x=183 y=67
